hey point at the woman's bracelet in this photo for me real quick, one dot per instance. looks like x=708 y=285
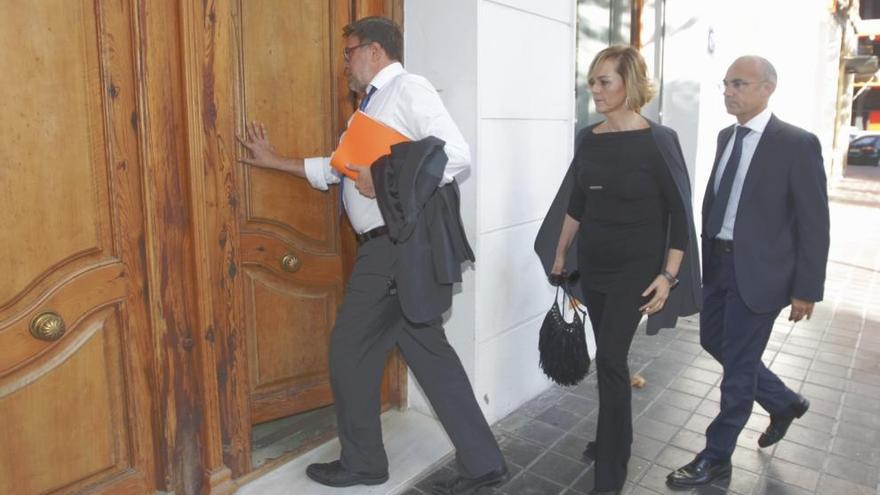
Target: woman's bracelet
x=669 y=278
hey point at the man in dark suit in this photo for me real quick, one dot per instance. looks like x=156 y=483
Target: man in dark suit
x=765 y=246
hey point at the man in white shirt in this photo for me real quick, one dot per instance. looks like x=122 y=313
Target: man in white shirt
x=765 y=246
x=370 y=321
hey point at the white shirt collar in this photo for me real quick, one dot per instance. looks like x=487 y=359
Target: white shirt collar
x=759 y=122
x=385 y=75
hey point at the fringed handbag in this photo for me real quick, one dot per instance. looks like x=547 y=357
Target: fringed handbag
x=562 y=346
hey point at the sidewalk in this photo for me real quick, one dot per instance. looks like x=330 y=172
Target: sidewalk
x=833 y=360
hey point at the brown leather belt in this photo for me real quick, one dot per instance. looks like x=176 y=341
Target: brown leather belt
x=722 y=245
x=372 y=234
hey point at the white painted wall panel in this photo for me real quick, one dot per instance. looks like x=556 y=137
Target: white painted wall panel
x=522 y=163
x=508 y=370
x=525 y=65
x=560 y=10
x=513 y=287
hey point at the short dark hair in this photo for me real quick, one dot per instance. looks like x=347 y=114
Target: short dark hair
x=378 y=30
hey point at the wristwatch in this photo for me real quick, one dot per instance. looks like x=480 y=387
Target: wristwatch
x=669 y=278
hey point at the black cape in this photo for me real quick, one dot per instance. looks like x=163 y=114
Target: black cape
x=686 y=298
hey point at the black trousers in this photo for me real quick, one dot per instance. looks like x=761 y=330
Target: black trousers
x=736 y=337
x=369 y=324
x=615 y=316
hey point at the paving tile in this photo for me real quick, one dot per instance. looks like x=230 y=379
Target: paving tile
x=679 y=399
x=646 y=448
x=530 y=484
x=750 y=460
x=689 y=440
x=701 y=375
x=559 y=418
x=572 y=447
x=771 y=486
x=698 y=423
x=793 y=474
x=668 y=414
x=800 y=455
x=863 y=452
x=519 y=451
x=832 y=485
x=851 y=470
x=691 y=387
x=673 y=457
x=540 y=433
x=557 y=468
x=654 y=429
x=577 y=405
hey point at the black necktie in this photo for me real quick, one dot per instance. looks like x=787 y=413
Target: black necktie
x=719 y=205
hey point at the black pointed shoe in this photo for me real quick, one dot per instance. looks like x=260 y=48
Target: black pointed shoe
x=460 y=485
x=589 y=451
x=699 y=472
x=335 y=474
x=779 y=423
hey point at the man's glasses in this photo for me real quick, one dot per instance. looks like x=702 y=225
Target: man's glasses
x=346 y=52
x=736 y=84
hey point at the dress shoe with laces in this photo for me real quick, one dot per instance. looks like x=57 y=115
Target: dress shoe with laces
x=460 y=485
x=335 y=474
x=779 y=423
x=699 y=472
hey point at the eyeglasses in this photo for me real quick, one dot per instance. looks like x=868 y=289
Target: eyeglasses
x=736 y=84
x=346 y=52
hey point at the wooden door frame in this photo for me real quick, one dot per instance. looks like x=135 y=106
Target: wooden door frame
x=210 y=64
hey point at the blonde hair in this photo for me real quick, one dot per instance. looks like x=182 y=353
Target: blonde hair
x=632 y=69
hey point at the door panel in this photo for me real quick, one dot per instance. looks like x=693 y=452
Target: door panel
x=74 y=399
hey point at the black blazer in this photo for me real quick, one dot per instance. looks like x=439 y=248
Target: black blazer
x=781 y=234
x=424 y=222
x=686 y=298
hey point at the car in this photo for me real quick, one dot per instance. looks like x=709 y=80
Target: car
x=864 y=150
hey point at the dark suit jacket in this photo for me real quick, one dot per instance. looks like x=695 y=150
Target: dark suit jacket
x=781 y=234
x=685 y=299
x=424 y=221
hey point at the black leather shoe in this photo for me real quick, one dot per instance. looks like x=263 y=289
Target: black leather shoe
x=334 y=474
x=590 y=451
x=779 y=423
x=699 y=472
x=459 y=485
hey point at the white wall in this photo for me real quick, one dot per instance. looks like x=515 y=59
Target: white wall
x=505 y=69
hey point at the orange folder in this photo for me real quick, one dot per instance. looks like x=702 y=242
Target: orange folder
x=364 y=141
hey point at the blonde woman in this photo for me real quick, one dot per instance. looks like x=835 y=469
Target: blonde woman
x=627 y=228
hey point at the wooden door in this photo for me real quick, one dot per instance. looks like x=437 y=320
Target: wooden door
x=75 y=402
x=295 y=250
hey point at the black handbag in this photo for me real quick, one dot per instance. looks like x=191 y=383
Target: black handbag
x=562 y=346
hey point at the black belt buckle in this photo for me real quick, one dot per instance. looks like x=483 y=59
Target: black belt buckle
x=722 y=245
x=371 y=234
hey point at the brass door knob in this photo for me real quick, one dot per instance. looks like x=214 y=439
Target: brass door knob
x=290 y=263
x=48 y=326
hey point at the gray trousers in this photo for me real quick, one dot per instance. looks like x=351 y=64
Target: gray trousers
x=369 y=324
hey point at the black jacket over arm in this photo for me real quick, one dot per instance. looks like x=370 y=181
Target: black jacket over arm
x=424 y=221
x=686 y=298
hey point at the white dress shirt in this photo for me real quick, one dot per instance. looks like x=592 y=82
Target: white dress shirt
x=750 y=142
x=409 y=104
